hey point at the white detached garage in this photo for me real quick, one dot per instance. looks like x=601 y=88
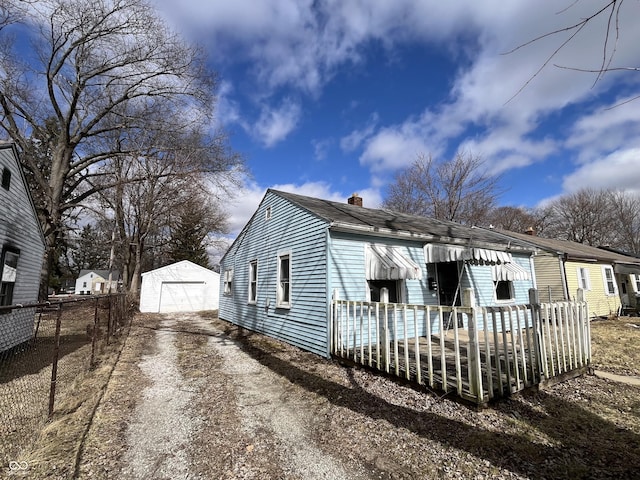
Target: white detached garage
x=179 y=287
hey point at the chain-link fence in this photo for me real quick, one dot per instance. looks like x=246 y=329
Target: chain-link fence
x=44 y=349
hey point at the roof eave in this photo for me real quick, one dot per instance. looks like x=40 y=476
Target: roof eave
x=408 y=235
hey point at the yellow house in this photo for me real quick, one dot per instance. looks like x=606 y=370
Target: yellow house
x=610 y=280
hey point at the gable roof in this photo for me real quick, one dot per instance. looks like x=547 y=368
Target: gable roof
x=573 y=250
x=382 y=222
x=115 y=274
x=4 y=145
x=179 y=264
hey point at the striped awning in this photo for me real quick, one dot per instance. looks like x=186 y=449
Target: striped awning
x=509 y=272
x=435 y=253
x=384 y=262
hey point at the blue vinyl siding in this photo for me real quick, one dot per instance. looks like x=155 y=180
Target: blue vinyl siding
x=290 y=230
x=347 y=267
x=480 y=280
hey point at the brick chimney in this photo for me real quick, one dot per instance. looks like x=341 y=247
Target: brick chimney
x=355 y=199
x=530 y=231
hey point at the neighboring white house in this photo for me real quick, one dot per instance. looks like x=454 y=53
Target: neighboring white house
x=95 y=282
x=179 y=287
x=21 y=251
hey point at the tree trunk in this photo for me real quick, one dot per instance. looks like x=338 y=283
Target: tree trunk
x=137 y=266
x=53 y=228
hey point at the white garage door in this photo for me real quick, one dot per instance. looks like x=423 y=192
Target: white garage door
x=181 y=296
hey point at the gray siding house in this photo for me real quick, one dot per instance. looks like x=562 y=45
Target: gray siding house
x=297 y=253
x=22 y=249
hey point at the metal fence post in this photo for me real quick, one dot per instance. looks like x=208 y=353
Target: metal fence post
x=94 y=334
x=54 y=366
x=109 y=320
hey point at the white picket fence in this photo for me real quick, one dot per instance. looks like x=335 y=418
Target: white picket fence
x=478 y=352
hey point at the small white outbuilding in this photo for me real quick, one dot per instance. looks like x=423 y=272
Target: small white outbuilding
x=180 y=287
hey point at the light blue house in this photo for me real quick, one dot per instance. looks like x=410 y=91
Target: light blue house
x=297 y=253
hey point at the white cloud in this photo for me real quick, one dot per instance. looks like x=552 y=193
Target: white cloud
x=227 y=110
x=606 y=129
x=275 y=124
x=504 y=148
x=321 y=147
x=393 y=148
x=301 y=43
x=488 y=114
x=355 y=139
x=244 y=204
x=620 y=170
x=496 y=102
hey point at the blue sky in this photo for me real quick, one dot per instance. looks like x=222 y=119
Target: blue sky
x=327 y=98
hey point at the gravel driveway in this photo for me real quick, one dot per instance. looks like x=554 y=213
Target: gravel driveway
x=195 y=397
x=164 y=422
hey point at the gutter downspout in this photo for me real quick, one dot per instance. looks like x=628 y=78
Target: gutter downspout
x=532 y=266
x=328 y=289
x=562 y=259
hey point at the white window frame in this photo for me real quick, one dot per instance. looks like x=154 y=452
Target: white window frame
x=512 y=292
x=267 y=213
x=9 y=267
x=252 y=290
x=605 y=280
x=400 y=290
x=280 y=302
x=636 y=283
x=584 y=280
x=228 y=281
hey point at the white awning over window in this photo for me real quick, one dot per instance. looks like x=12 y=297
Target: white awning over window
x=384 y=262
x=435 y=253
x=509 y=272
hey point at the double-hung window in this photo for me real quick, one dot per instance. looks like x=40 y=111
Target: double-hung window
x=253 y=281
x=9 y=271
x=283 y=294
x=228 y=281
x=609 y=280
x=583 y=278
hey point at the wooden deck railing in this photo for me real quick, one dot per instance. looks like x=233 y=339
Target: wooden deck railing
x=478 y=352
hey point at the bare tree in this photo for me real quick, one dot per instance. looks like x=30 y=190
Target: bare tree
x=147 y=197
x=9 y=13
x=515 y=219
x=626 y=212
x=612 y=10
x=459 y=190
x=585 y=216
x=101 y=68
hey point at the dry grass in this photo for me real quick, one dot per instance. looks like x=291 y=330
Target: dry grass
x=25 y=375
x=616 y=345
x=24 y=390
